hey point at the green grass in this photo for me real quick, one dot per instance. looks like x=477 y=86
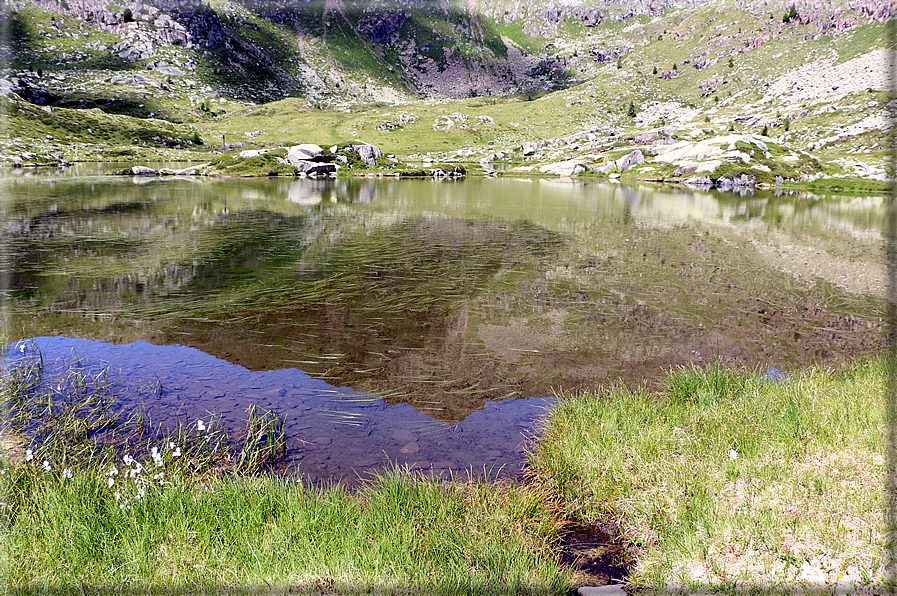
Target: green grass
x=400 y=533
x=846 y=185
x=727 y=479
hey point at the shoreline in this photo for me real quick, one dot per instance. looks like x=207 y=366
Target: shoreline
x=836 y=185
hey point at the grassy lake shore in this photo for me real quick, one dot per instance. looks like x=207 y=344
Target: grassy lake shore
x=724 y=480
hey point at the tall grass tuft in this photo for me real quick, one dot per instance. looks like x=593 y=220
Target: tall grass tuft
x=729 y=479
x=75 y=418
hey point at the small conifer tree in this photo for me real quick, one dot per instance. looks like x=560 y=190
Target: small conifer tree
x=790 y=15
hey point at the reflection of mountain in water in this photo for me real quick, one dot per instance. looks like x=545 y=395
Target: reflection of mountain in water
x=444 y=294
x=334 y=432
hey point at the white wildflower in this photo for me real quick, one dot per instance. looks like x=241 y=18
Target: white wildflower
x=113 y=471
x=157 y=457
x=110 y=481
x=733 y=455
x=128 y=459
x=140 y=493
x=47 y=466
x=171 y=445
x=117 y=496
x=67 y=473
x=29 y=455
x=200 y=425
x=177 y=452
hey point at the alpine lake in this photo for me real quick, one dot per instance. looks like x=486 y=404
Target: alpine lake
x=424 y=323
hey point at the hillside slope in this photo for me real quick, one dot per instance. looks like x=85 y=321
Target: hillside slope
x=533 y=83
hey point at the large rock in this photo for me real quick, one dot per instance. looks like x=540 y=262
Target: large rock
x=630 y=161
x=306 y=151
x=708 y=166
x=247 y=153
x=143 y=171
x=570 y=167
x=530 y=148
x=314 y=168
x=367 y=153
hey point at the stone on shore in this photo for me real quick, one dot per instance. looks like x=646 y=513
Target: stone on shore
x=570 y=167
x=143 y=171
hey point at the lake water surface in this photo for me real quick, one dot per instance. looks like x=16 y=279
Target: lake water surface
x=424 y=322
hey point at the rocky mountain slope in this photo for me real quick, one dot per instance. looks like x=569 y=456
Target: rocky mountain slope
x=534 y=83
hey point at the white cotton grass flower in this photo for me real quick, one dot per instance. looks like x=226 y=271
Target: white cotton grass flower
x=29 y=455
x=135 y=471
x=176 y=452
x=200 y=425
x=113 y=471
x=47 y=466
x=128 y=459
x=157 y=457
x=110 y=481
x=733 y=455
x=66 y=473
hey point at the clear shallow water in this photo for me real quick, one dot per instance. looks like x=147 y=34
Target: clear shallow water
x=446 y=305
x=334 y=432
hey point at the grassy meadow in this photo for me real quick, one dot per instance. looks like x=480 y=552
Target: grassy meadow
x=729 y=480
